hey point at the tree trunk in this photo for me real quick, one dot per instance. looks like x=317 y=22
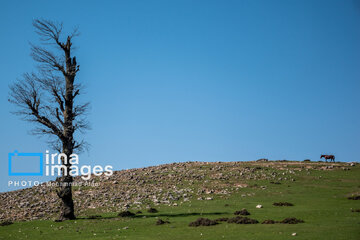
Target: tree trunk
x=65 y=193
x=67 y=204
x=65 y=189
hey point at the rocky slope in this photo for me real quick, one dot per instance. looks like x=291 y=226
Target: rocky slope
x=169 y=184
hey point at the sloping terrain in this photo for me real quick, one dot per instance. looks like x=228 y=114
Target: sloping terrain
x=183 y=192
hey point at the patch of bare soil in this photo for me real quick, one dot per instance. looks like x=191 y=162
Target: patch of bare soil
x=161 y=222
x=6 y=223
x=202 y=222
x=269 y=221
x=282 y=204
x=291 y=221
x=355 y=197
x=275 y=182
x=242 y=212
x=223 y=219
x=355 y=210
x=94 y=216
x=242 y=220
x=126 y=214
x=152 y=210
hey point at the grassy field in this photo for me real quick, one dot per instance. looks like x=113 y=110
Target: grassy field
x=319 y=198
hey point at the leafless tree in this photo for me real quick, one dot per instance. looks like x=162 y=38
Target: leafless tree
x=49 y=99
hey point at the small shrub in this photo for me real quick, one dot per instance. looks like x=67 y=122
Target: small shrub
x=94 y=216
x=275 y=182
x=269 y=221
x=355 y=197
x=291 y=221
x=282 y=204
x=161 y=222
x=242 y=220
x=6 y=223
x=126 y=214
x=242 y=212
x=202 y=222
x=262 y=160
x=152 y=210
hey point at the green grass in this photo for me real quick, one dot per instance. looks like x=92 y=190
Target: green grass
x=320 y=199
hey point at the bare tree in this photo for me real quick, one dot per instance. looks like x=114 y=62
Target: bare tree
x=47 y=99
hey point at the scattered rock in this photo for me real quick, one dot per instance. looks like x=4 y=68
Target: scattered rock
x=293 y=234
x=242 y=212
x=202 y=222
x=259 y=206
x=158 y=185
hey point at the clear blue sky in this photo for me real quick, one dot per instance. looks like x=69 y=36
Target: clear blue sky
x=173 y=81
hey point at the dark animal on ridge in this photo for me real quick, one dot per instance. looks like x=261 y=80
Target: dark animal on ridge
x=331 y=157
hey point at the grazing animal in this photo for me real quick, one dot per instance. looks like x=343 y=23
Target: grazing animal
x=331 y=157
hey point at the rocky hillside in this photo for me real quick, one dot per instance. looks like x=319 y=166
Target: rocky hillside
x=170 y=184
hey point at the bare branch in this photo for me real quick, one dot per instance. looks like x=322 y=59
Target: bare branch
x=49 y=30
x=47 y=59
x=81 y=145
x=26 y=95
x=81 y=109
